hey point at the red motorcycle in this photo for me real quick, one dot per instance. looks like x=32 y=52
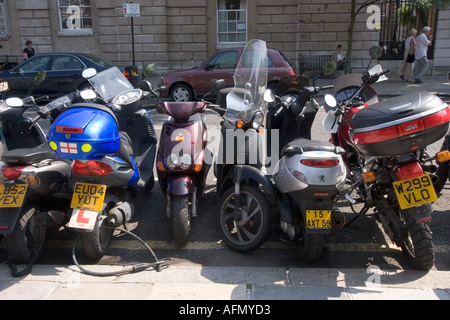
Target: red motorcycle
x=385 y=146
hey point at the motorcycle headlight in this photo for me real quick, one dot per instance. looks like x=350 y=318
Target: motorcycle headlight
x=257 y=120
x=172 y=161
x=185 y=161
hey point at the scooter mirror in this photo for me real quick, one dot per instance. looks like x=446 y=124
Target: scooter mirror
x=89 y=73
x=14 y=102
x=328 y=68
x=145 y=85
x=218 y=85
x=4 y=86
x=268 y=96
x=330 y=102
x=375 y=52
x=39 y=77
x=148 y=69
x=88 y=94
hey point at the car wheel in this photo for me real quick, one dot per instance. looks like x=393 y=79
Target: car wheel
x=182 y=93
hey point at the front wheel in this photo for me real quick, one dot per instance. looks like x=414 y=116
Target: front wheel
x=180 y=217
x=27 y=239
x=245 y=228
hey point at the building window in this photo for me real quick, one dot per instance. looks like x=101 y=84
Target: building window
x=75 y=16
x=231 y=21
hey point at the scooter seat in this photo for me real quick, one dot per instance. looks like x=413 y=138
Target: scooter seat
x=29 y=155
x=298 y=146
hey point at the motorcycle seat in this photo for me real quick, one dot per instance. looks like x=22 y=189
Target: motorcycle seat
x=300 y=145
x=29 y=155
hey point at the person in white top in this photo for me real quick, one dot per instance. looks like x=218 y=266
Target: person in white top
x=423 y=41
x=406 y=71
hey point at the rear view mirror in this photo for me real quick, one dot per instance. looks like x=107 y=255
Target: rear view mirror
x=268 y=96
x=145 y=85
x=149 y=69
x=328 y=68
x=89 y=73
x=217 y=85
x=88 y=94
x=39 y=78
x=375 y=52
x=14 y=102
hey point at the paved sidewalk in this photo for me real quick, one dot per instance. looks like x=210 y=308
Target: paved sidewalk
x=180 y=282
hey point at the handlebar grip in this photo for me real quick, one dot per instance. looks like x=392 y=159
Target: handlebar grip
x=327 y=87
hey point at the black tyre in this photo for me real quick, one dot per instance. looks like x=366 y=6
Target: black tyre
x=181 y=220
x=97 y=242
x=25 y=238
x=246 y=229
x=311 y=248
x=182 y=93
x=417 y=244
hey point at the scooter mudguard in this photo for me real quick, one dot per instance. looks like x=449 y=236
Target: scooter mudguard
x=8 y=218
x=180 y=186
x=244 y=172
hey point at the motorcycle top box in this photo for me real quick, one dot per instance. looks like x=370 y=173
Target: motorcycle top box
x=95 y=135
x=400 y=125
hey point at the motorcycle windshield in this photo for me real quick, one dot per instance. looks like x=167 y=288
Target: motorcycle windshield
x=109 y=83
x=250 y=82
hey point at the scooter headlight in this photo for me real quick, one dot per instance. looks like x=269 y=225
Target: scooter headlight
x=257 y=120
x=185 y=161
x=172 y=161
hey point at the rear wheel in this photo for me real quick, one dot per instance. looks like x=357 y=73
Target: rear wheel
x=180 y=218
x=417 y=243
x=245 y=228
x=97 y=242
x=27 y=239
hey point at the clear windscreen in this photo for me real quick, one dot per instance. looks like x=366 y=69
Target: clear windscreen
x=109 y=83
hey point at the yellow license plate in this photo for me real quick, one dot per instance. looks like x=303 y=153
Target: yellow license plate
x=12 y=197
x=415 y=192
x=318 y=219
x=87 y=196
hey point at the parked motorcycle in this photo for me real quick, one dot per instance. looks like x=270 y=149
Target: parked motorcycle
x=308 y=177
x=181 y=165
x=112 y=143
x=34 y=182
x=385 y=155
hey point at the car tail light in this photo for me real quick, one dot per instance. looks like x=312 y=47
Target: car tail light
x=320 y=163
x=12 y=172
x=126 y=73
x=91 y=168
x=292 y=72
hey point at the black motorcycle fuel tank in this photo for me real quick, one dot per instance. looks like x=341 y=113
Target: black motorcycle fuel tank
x=400 y=125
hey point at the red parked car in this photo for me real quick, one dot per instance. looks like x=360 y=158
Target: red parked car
x=188 y=85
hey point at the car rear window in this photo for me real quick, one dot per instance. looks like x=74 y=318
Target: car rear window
x=286 y=60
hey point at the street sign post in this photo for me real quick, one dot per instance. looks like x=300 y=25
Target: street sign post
x=132 y=10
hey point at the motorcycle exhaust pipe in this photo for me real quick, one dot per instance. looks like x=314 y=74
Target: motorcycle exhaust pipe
x=432 y=168
x=434 y=178
x=53 y=218
x=337 y=219
x=120 y=214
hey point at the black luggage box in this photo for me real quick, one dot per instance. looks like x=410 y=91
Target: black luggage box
x=400 y=125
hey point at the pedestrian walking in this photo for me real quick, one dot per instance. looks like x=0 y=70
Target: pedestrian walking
x=28 y=51
x=406 y=71
x=423 y=41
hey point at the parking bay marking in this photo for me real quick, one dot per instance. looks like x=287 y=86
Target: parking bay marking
x=165 y=245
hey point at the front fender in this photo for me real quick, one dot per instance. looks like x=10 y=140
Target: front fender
x=245 y=172
x=180 y=186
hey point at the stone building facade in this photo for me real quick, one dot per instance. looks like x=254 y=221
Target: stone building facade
x=178 y=34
